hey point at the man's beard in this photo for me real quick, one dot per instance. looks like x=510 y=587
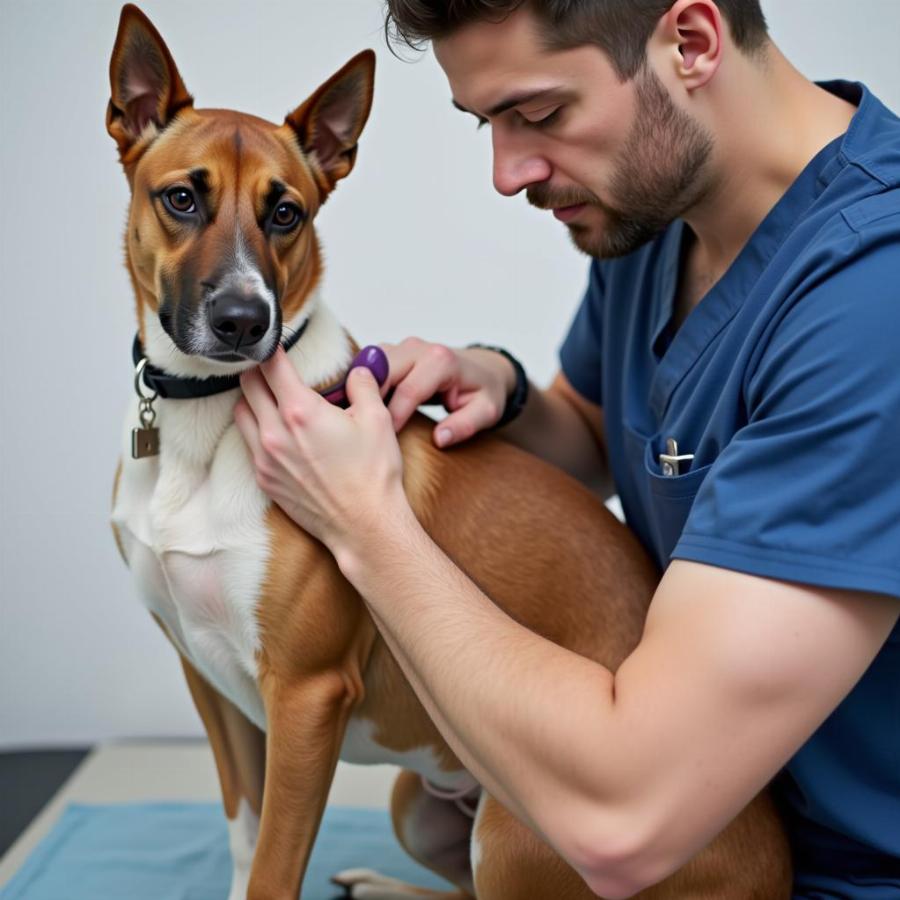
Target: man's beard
x=656 y=179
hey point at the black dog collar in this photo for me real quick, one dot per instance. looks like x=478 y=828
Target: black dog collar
x=177 y=387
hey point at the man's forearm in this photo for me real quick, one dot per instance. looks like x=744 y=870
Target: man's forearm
x=525 y=716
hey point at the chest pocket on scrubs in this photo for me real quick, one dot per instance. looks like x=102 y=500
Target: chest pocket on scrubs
x=666 y=499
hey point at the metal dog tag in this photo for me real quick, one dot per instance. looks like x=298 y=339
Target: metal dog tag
x=144 y=442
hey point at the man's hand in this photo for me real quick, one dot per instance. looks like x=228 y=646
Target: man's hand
x=473 y=385
x=333 y=471
x=557 y=424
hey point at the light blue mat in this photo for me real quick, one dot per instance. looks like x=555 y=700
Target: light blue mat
x=176 y=851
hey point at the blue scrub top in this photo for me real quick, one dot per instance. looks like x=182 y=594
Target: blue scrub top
x=784 y=384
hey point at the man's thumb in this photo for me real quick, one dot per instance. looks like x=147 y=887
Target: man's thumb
x=362 y=388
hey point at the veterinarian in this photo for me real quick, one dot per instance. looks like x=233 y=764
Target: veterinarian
x=732 y=373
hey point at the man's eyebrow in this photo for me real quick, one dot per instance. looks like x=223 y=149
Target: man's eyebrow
x=508 y=103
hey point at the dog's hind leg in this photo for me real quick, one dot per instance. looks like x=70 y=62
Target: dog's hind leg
x=434 y=832
x=239 y=748
x=510 y=862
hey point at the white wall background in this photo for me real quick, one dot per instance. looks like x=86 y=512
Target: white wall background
x=417 y=243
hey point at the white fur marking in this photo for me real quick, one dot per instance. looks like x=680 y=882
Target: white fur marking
x=245 y=280
x=245 y=276
x=360 y=747
x=475 y=854
x=243 y=831
x=193 y=521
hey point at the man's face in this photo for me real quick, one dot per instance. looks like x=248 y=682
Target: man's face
x=616 y=162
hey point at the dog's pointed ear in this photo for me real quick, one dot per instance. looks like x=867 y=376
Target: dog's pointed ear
x=329 y=123
x=144 y=83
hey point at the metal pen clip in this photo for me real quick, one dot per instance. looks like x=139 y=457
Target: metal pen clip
x=671 y=460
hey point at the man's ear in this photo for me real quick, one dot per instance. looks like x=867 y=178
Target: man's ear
x=144 y=83
x=329 y=123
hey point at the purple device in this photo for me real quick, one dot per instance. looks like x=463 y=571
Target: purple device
x=374 y=359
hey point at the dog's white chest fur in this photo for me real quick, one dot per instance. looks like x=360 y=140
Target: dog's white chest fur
x=193 y=525
x=196 y=542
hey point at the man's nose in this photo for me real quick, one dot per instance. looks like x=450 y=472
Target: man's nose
x=516 y=164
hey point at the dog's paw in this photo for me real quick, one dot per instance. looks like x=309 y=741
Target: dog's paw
x=366 y=884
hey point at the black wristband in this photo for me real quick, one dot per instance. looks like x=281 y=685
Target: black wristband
x=515 y=402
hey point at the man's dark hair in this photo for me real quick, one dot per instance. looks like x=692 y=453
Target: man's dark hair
x=621 y=28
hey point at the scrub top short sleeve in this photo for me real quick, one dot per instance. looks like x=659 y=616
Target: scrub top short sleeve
x=809 y=488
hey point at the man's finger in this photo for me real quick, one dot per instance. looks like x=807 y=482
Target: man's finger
x=259 y=398
x=477 y=415
x=401 y=358
x=286 y=385
x=424 y=381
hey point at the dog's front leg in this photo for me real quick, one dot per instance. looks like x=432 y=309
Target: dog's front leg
x=307 y=719
x=238 y=747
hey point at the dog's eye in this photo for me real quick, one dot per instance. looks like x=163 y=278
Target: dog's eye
x=180 y=200
x=286 y=216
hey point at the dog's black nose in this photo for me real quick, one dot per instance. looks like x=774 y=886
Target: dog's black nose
x=238 y=320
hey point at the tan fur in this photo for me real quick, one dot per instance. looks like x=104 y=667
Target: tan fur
x=748 y=861
x=265 y=153
x=546 y=551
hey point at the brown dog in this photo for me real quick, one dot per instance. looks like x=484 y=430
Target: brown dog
x=286 y=668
